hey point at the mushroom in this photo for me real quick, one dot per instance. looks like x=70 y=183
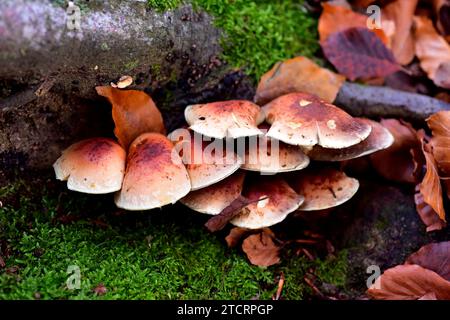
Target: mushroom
x=94 y=165
x=379 y=138
x=155 y=175
x=305 y=120
x=213 y=199
x=225 y=119
x=278 y=199
x=323 y=188
x=206 y=162
x=268 y=155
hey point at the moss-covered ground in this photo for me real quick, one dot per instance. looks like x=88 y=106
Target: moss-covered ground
x=44 y=229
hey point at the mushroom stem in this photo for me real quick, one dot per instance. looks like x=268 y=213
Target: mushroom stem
x=374 y=102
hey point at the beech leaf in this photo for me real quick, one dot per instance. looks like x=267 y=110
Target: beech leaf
x=358 y=53
x=439 y=123
x=433 y=52
x=435 y=257
x=133 y=112
x=261 y=249
x=298 y=75
x=235 y=236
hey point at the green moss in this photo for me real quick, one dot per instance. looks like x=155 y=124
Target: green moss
x=130 y=65
x=260 y=33
x=333 y=270
x=164 y=5
x=139 y=255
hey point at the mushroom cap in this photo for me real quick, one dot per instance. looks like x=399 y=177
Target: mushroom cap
x=281 y=200
x=155 y=175
x=215 y=198
x=225 y=119
x=268 y=155
x=323 y=188
x=93 y=165
x=306 y=120
x=206 y=162
x=379 y=138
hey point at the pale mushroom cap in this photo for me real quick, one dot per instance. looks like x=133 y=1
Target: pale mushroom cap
x=206 y=162
x=93 y=165
x=215 y=198
x=155 y=176
x=305 y=120
x=225 y=119
x=323 y=188
x=267 y=155
x=379 y=138
x=281 y=200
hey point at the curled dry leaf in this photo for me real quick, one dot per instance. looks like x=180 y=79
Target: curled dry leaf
x=401 y=13
x=336 y=18
x=428 y=216
x=133 y=112
x=299 y=74
x=433 y=52
x=430 y=187
x=409 y=282
x=261 y=250
x=358 y=53
x=435 y=257
x=396 y=162
x=439 y=123
x=235 y=236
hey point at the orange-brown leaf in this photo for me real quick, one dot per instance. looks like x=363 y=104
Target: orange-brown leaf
x=261 y=249
x=439 y=123
x=396 y=162
x=409 y=282
x=426 y=213
x=133 y=112
x=433 y=52
x=430 y=187
x=235 y=236
x=401 y=13
x=336 y=18
x=358 y=53
x=298 y=75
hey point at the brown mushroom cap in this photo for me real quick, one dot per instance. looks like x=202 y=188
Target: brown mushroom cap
x=305 y=120
x=93 y=165
x=155 y=175
x=379 y=138
x=267 y=155
x=206 y=162
x=281 y=200
x=323 y=188
x=225 y=119
x=215 y=198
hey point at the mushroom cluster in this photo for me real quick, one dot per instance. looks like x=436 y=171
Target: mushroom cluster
x=230 y=149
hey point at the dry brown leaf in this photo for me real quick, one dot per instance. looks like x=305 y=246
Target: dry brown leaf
x=358 y=53
x=299 y=74
x=430 y=187
x=434 y=257
x=235 y=236
x=433 y=52
x=401 y=13
x=133 y=112
x=261 y=249
x=396 y=162
x=426 y=213
x=439 y=123
x=335 y=18
x=409 y=282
